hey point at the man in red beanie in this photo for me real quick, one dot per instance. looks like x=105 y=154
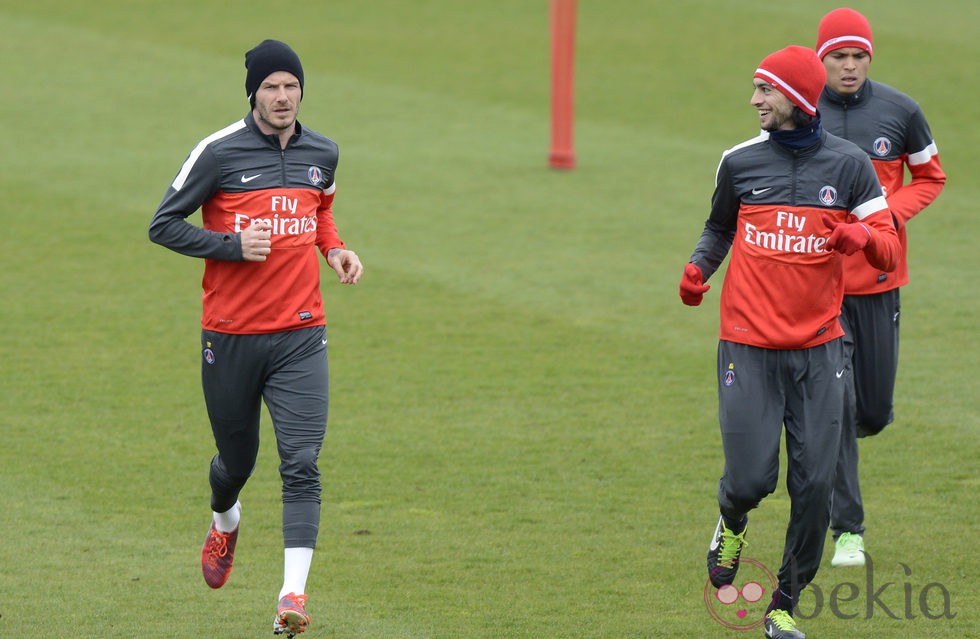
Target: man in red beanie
x=788 y=204
x=891 y=129
x=265 y=188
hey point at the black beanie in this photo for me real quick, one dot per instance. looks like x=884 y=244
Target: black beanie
x=267 y=58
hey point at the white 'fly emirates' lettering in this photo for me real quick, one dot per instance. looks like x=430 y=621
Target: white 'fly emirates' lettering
x=280 y=225
x=783 y=241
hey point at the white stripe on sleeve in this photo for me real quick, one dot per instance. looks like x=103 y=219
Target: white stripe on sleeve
x=868 y=208
x=185 y=170
x=923 y=156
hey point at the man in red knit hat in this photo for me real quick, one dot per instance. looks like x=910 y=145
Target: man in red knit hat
x=891 y=129
x=788 y=204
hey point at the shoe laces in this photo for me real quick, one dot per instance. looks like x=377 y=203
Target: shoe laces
x=731 y=547
x=217 y=546
x=781 y=619
x=849 y=542
x=294 y=600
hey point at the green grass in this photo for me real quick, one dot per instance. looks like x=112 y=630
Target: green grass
x=523 y=438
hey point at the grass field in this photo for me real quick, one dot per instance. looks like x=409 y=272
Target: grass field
x=523 y=439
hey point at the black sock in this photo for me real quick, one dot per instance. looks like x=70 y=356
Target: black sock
x=781 y=601
x=735 y=525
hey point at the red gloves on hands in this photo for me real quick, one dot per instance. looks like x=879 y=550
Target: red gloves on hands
x=844 y=237
x=692 y=287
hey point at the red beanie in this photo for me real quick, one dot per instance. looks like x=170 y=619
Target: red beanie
x=843 y=28
x=797 y=73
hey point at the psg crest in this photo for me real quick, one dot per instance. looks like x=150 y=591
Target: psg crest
x=882 y=146
x=729 y=377
x=828 y=195
x=315 y=175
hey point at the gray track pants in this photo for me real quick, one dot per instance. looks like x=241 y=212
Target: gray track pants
x=289 y=372
x=759 y=392
x=871 y=355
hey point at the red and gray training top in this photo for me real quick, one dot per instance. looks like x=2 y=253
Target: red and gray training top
x=783 y=287
x=238 y=176
x=890 y=127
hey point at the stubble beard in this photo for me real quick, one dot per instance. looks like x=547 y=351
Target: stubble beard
x=776 y=122
x=265 y=116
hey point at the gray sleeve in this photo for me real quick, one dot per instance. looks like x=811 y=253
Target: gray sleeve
x=195 y=183
x=719 y=229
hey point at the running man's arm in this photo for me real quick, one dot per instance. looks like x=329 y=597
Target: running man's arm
x=196 y=182
x=719 y=229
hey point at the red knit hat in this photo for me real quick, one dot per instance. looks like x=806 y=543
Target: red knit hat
x=843 y=28
x=797 y=73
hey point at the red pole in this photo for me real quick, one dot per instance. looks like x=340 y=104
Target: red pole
x=562 y=13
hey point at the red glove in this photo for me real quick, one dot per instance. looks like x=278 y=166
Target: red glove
x=844 y=237
x=692 y=288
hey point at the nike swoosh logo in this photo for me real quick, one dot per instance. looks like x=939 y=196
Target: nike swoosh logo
x=250 y=178
x=323 y=341
x=840 y=374
x=716 y=539
x=756 y=191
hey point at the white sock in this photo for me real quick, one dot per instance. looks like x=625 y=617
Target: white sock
x=228 y=521
x=296 y=568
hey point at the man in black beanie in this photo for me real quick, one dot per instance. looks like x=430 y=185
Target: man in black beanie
x=266 y=58
x=265 y=187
